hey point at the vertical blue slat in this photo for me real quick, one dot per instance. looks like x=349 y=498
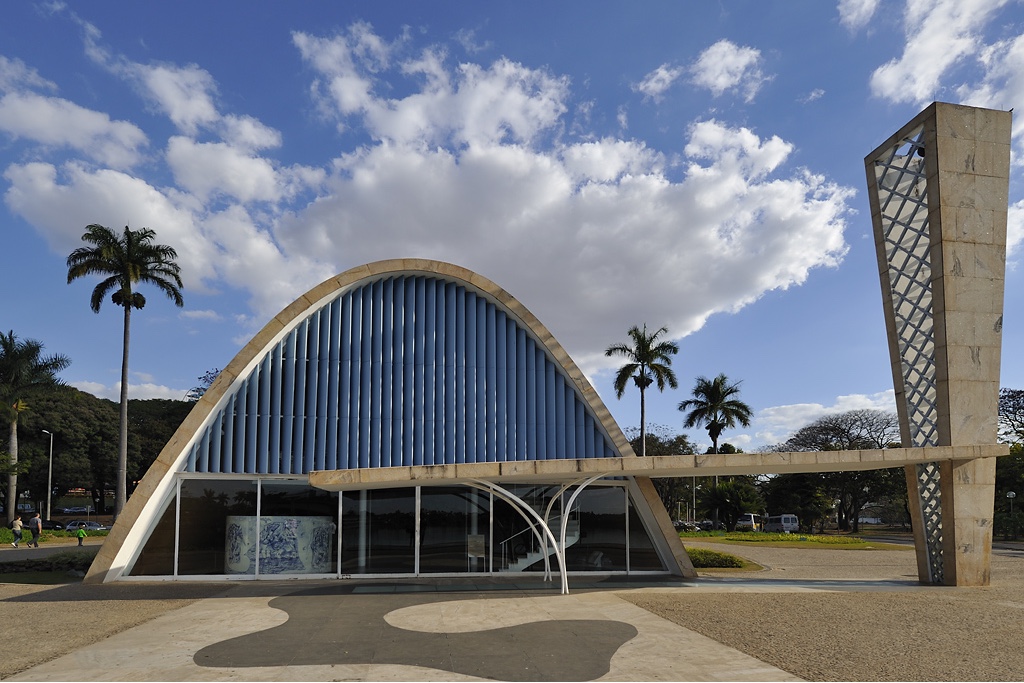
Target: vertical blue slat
x=365 y=375
x=580 y=435
x=408 y=366
x=429 y=350
x=590 y=443
x=551 y=414
x=450 y=373
x=398 y=375
x=334 y=381
x=274 y=445
x=461 y=407
x=521 y=394
x=543 y=405
x=471 y=372
x=560 y=441
x=355 y=332
x=299 y=431
x=417 y=398
x=440 y=398
x=224 y=463
x=252 y=411
x=569 y=429
x=480 y=388
x=346 y=456
x=312 y=373
x=376 y=372
x=263 y=435
x=237 y=464
x=216 y=441
x=323 y=374
x=495 y=385
x=387 y=345
x=532 y=403
x=288 y=414
x=200 y=458
x=511 y=384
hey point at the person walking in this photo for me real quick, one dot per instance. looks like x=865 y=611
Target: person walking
x=16 y=527
x=81 y=535
x=35 y=525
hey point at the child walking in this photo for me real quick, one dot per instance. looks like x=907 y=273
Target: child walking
x=81 y=534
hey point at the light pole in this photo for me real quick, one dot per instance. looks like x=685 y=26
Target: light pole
x=49 y=477
x=1011 y=495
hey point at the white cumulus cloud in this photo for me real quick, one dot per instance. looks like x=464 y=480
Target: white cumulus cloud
x=725 y=67
x=939 y=34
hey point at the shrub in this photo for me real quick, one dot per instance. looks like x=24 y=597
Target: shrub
x=703 y=558
x=58 y=562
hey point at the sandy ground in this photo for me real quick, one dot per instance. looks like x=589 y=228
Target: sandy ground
x=873 y=633
x=880 y=631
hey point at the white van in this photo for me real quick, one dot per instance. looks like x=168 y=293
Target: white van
x=782 y=524
x=748 y=521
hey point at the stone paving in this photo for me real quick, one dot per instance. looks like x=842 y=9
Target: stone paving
x=328 y=631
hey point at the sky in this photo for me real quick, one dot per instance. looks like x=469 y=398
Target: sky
x=692 y=165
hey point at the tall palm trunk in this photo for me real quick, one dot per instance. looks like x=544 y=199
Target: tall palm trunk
x=12 y=477
x=643 y=425
x=121 y=494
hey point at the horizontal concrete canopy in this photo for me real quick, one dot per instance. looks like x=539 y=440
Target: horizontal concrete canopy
x=653 y=466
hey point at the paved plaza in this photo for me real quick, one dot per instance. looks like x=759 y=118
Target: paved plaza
x=515 y=630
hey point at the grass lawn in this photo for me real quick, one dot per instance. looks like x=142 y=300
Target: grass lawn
x=791 y=540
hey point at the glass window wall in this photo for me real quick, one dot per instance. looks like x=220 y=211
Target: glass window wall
x=297 y=531
x=211 y=538
x=454 y=530
x=378 y=531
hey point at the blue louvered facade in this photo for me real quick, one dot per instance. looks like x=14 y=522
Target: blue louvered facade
x=396 y=371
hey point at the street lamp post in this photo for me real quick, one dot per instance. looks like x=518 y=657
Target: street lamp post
x=49 y=477
x=1010 y=495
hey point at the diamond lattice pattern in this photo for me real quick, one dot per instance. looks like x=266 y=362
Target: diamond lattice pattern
x=903 y=199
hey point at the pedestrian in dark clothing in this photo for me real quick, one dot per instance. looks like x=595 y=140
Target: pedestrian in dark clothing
x=35 y=525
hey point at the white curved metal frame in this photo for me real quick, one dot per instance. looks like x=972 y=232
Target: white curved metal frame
x=524 y=509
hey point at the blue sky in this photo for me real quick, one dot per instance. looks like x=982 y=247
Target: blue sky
x=692 y=165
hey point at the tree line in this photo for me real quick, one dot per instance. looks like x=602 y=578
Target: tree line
x=813 y=497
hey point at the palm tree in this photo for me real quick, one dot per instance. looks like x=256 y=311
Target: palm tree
x=23 y=371
x=714 y=406
x=124 y=261
x=648 y=361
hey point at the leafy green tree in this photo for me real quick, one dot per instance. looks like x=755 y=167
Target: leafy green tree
x=715 y=406
x=648 y=361
x=1011 y=415
x=803 y=495
x=24 y=373
x=124 y=261
x=852 y=430
x=85 y=440
x=732 y=498
x=152 y=424
x=205 y=380
x=1009 y=515
x=673 y=491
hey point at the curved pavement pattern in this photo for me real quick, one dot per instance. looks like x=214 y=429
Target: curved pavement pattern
x=280 y=631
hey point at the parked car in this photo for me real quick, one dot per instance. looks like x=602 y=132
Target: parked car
x=784 y=524
x=79 y=510
x=748 y=521
x=682 y=525
x=50 y=525
x=89 y=526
